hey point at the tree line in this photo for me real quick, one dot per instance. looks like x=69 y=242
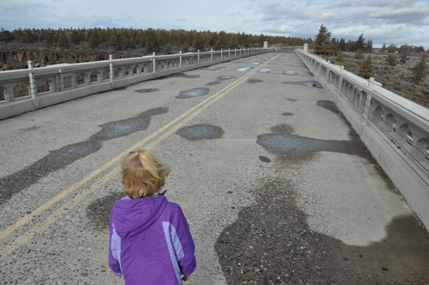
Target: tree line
x=152 y=40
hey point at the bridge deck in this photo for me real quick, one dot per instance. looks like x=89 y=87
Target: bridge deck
x=275 y=184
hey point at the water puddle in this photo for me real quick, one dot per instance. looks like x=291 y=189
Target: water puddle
x=193 y=93
x=243 y=69
x=213 y=83
x=60 y=158
x=263 y=247
x=290 y=72
x=291 y=99
x=225 y=77
x=287 y=114
x=290 y=147
x=200 y=132
x=149 y=90
x=254 y=80
x=305 y=83
x=265 y=70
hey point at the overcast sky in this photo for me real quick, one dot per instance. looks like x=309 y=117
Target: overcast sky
x=384 y=21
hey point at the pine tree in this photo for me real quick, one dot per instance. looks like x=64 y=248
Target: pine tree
x=420 y=69
x=366 y=70
x=322 y=42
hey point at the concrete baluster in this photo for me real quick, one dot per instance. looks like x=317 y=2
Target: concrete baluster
x=235 y=52
x=211 y=54
x=154 y=62
x=221 y=53
x=198 y=57
x=229 y=53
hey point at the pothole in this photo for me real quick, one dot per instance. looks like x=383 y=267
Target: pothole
x=242 y=69
x=149 y=90
x=193 y=93
x=290 y=72
x=200 y=132
x=225 y=77
x=306 y=83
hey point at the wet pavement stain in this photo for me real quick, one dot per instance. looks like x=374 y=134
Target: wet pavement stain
x=120 y=88
x=264 y=159
x=271 y=243
x=265 y=70
x=98 y=212
x=183 y=75
x=60 y=158
x=328 y=105
x=291 y=99
x=200 y=132
x=289 y=147
x=244 y=69
x=149 y=90
x=225 y=77
x=213 y=83
x=254 y=80
x=305 y=83
x=290 y=72
x=193 y=93
x=128 y=126
x=287 y=114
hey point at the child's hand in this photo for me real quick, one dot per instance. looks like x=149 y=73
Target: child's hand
x=186 y=277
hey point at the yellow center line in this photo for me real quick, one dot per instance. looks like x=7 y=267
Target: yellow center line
x=63 y=209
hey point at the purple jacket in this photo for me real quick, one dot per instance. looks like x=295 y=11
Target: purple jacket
x=150 y=241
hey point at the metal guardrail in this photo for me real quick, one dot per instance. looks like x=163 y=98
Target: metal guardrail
x=403 y=122
x=45 y=86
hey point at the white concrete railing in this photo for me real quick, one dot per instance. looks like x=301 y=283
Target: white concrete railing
x=99 y=76
x=394 y=129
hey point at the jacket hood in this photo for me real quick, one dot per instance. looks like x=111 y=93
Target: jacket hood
x=132 y=216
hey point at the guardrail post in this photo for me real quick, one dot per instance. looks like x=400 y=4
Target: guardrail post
x=112 y=71
x=235 y=52
x=229 y=53
x=211 y=54
x=198 y=56
x=221 y=53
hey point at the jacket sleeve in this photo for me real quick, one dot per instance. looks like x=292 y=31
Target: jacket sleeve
x=186 y=260
x=114 y=250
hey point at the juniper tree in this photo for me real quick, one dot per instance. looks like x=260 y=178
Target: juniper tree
x=420 y=69
x=366 y=70
x=391 y=60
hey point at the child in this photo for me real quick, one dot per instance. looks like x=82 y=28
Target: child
x=150 y=241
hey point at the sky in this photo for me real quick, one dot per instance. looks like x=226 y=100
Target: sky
x=383 y=21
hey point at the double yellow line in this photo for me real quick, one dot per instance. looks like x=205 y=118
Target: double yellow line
x=160 y=135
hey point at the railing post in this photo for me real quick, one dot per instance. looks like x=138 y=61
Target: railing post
x=33 y=87
x=235 y=52
x=198 y=56
x=180 y=59
x=154 y=63
x=221 y=53
x=211 y=54
x=112 y=72
x=229 y=53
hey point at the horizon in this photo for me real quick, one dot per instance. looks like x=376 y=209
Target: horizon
x=384 y=22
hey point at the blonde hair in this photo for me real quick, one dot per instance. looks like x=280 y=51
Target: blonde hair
x=142 y=174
